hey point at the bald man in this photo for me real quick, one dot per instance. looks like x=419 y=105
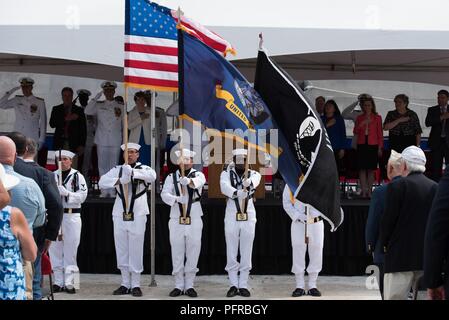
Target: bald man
x=26 y=196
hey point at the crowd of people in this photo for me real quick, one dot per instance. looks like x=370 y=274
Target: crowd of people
x=83 y=126
x=404 y=130
x=407 y=228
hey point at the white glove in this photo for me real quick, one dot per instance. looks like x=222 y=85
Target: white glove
x=184 y=181
x=99 y=94
x=242 y=194
x=126 y=174
x=63 y=191
x=138 y=174
x=127 y=170
x=246 y=182
x=13 y=90
x=182 y=199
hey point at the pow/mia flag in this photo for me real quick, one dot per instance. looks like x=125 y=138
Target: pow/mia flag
x=306 y=137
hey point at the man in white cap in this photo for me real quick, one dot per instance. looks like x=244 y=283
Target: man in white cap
x=129 y=216
x=108 y=135
x=403 y=224
x=183 y=194
x=31 y=115
x=311 y=223
x=240 y=220
x=63 y=251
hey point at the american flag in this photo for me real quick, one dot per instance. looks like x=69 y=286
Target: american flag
x=151 y=45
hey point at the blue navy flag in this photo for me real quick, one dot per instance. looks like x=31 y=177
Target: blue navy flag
x=213 y=91
x=306 y=138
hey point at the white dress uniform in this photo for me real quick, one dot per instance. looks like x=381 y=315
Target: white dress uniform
x=185 y=240
x=315 y=232
x=63 y=251
x=129 y=235
x=108 y=135
x=31 y=115
x=238 y=234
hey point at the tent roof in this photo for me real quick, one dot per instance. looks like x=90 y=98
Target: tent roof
x=97 y=52
x=427 y=66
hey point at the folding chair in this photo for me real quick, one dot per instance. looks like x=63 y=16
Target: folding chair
x=46 y=270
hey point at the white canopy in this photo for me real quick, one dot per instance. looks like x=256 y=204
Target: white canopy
x=86 y=38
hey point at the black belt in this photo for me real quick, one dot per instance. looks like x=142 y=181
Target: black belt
x=70 y=210
x=312 y=220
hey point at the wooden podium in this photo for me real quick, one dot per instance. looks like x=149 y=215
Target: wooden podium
x=215 y=170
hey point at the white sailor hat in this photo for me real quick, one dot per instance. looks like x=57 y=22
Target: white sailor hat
x=185 y=153
x=131 y=145
x=8 y=181
x=84 y=91
x=26 y=81
x=414 y=155
x=239 y=152
x=108 y=84
x=394 y=156
x=65 y=153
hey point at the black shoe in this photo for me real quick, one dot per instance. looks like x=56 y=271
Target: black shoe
x=299 y=292
x=70 y=290
x=314 y=292
x=136 y=292
x=57 y=288
x=175 y=293
x=244 y=292
x=232 y=292
x=191 y=293
x=121 y=291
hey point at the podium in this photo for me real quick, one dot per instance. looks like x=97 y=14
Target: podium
x=222 y=158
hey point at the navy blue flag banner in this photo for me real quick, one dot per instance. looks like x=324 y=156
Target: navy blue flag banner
x=306 y=138
x=213 y=91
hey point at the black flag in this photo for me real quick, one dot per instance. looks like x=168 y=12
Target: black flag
x=306 y=136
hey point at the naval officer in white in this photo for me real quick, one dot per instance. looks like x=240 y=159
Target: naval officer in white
x=315 y=235
x=108 y=134
x=31 y=115
x=63 y=251
x=240 y=222
x=185 y=229
x=129 y=217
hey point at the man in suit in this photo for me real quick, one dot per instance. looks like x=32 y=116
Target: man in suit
x=46 y=234
x=70 y=123
x=375 y=213
x=437 y=119
x=403 y=225
x=436 y=246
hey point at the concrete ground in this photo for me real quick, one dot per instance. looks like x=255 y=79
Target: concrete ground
x=101 y=286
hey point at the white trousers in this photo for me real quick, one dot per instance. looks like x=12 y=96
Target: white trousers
x=63 y=253
x=239 y=235
x=185 y=242
x=397 y=285
x=314 y=247
x=129 y=237
x=107 y=159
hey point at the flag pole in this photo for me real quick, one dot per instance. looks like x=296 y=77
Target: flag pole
x=125 y=141
x=153 y=191
x=246 y=177
x=60 y=184
x=60 y=168
x=180 y=124
x=306 y=230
